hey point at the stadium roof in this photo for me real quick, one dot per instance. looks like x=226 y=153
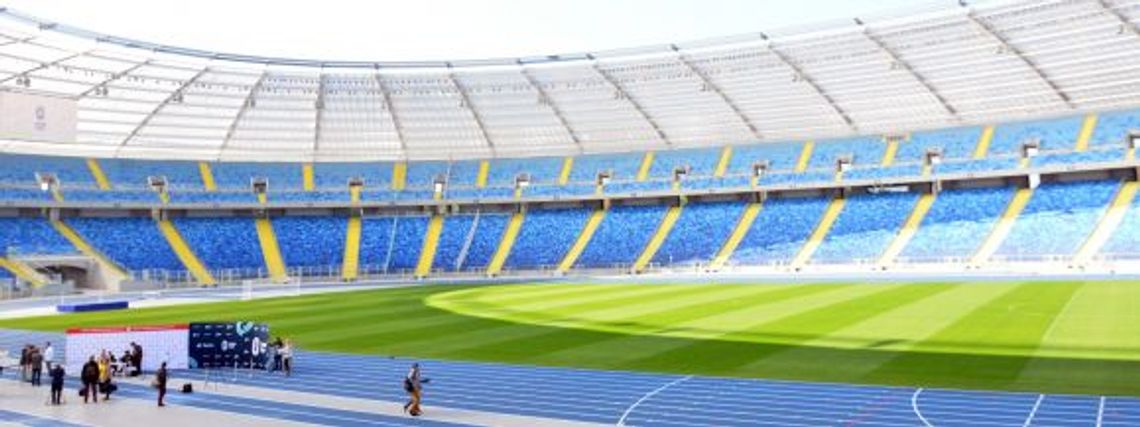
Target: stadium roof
x=969 y=65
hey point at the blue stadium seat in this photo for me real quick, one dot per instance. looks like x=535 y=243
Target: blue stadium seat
x=1112 y=128
x=129 y=173
x=134 y=243
x=391 y=244
x=25 y=194
x=701 y=161
x=335 y=176
x=311 y=242
x=1054 y=135
x=864 y=228
x=634 y=187
x=785 y=178
x=457 y=253
x=21 y=169
x=1125 y=240
x=341 y=195
x=238 y=175
x=699 y=233
x=880 y=172
x=621 y=237
x=970 y=166
x=864 y=151
x=545 y=237
x=624 y=166
x=957 y=143
x=224 y=243
x=781 y=228
x=31 y=236
x=957 y=223
x=464 y=173
x=111 y=196
x=781 y=156
x=1058 y=219
x=1098 y=155
x=542 y=170
x=245 y=196
x=422 y=174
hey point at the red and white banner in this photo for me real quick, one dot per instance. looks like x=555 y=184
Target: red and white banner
x=160 y=343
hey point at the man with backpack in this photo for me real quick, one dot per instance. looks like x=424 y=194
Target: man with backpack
x=90 y=378
x=413 y=385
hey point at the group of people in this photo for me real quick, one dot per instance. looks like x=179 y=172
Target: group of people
x=34 y=361
x=280 y=356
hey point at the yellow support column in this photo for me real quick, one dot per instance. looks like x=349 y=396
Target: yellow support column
x=207 y=176
x=583 y=239
x=505 y=244
x=111 y=271
x=738 y=233
x=350 y=267
x=307 y=179
x=1111 y=219
x=431 y=242
x=654 y=244
x=97 y=173
x=262 y=198
x=890 y=152
x=354 y=194
x=1003 y=226
x=1087 y=129
x=23 y=271
x=185 y=254
x=805 y=156
x=484 y=170
x=567 y=166
x=984 y=140
x=646 y=164
x=271 y=251
x=821 y=230
x=908 y=229
x=722 y=164
x=399 y=176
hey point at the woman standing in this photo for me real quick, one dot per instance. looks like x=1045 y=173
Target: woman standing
x=287 y=356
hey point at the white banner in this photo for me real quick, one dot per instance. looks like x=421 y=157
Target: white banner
x=169 y=343
x=37 y=118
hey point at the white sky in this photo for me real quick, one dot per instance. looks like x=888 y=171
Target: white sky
x=395 y=30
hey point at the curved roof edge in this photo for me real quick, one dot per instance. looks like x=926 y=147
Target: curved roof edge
x=928 y=7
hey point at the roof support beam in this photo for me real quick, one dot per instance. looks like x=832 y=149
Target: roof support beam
x=42 y=65
x=319 y=105
x=548 y=101
x=895 y=58
x=636 y=105
x=992 y=32
x=112 y=78
x=250 y=100
x=811 y=82
x=474 y=112
x=176 y=94
x=1124 y=22
x=713 y=87
x=388 y=105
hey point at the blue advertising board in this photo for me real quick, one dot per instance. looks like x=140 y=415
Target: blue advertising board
x=228 y=344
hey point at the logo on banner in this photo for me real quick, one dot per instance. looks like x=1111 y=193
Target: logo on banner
x=41 y=118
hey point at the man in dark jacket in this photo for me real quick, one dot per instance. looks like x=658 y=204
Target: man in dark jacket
x=160 y=383
x=57 y=374
x=36 y=363
x=137 y=359
x=90 y=377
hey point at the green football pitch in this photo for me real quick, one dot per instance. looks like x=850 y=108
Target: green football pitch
x=1078 y=337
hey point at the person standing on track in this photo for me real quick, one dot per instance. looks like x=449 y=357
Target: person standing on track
x=160 y=383
x=57 y=374
x=413 y=385
x=90 y=377
x=49 y=356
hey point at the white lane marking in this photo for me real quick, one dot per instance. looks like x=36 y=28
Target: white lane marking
x=1100 y=412
x=914 y=405
x=621 y=422
x=1033 y=412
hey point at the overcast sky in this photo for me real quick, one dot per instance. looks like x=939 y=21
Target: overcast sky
x=394 y=30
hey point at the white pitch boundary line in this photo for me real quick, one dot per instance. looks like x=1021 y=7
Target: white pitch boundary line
x=1100 y=412
x=621 y=421
x=1033 y=412
x=914 y=405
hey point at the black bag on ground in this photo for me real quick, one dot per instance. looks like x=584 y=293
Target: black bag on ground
x=187 y=388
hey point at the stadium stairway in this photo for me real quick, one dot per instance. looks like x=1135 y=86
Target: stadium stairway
x=725 y=160
x=1003 y=226
x=23 y=271
x=984 y=141
x=890 y=152
x=567 y=167
x=1108 y=223
x=505 y=244
x=270 y=251
x=207 y=177
x=646 y=166
x=111 y=272
x=805 y=156
x=350 y=266
x=658 y=238
x=821 y=230
x=431 y=242
x=583 y=239
x=738 y=233
x=354 y=194
x=481 y=177
x=56 y=194
x=97 y=173
x=185 y=254
x=399 y=176
x=1087 y=129
x=907 y=232
x=307 y=181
